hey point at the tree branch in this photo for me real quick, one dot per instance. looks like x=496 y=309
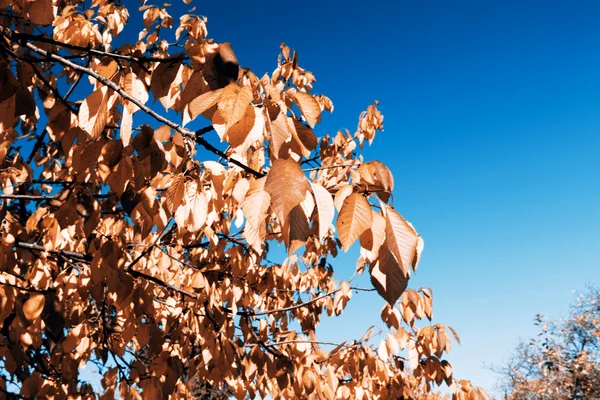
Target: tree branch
x=19 y=36
x=162 y=283
x=107 y=82
x=70 y=254
x=331 y=166
x=304 y=304
x=149 y=248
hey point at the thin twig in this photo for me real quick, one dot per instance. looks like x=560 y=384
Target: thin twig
x=107 y=82
x=298 y=341
x=19 y=36
x=70 y=254
x=149 y=248
x=304 y=304
x=36 y=146
x=41 y=197
x=331 y=166
x=162 y=283
x=77 y=80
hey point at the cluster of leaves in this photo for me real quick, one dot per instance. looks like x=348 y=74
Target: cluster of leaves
x=129 y=248
x=563 y=361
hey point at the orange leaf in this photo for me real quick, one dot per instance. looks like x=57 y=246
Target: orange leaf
x=34 y=306
x=203 y=102
x=237 y=133
x=233 y=103
x=325 y=208
x=93 y=113
x=387 y=276
x=175 y=193
x=309 y=106
x=355 y=217
x=287 y=186
x=256 y=203
x=163 y=77
x=402 y=240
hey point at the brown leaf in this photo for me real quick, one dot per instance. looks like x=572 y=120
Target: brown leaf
x=454 y=334
x=372 y=238
x=198 y=206
x=402 y=240
x=298 y=229
x=41 y=12
x=304 y=134
x=175 y=193
x=237 y=133
x=325 y=208
x=309 y=106
x=163 y=77
x=93 y=113
x=256 y=203
x=355 y=217
x=280 y=134
x=287 y=186
x=378 y=178
x=387 y=276
x=203 y=102
x=119 y=178
x=233 y=103
x=34 y=306
x=133 y=85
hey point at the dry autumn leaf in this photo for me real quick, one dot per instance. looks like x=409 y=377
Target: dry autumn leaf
x=311 y=110
x=325 y=208
x=33 y=307
x=233 y=103
x=355 y=217
x=402 y=240
x=287 y=186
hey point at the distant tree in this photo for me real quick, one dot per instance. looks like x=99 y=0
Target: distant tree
x=137 y=245
x=563 y=361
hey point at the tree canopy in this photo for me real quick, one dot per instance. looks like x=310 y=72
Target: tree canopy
x=137 y=245
x=563 y=361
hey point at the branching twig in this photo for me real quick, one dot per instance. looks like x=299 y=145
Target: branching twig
x=70 y=254
x=299 y=341
x=19 y=36
x=162 y=283
x=112 y=85
x=304 y=304
x=149 y=248
x=331 y=166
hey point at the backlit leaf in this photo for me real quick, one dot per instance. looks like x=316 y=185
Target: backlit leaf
x=287 y=186
x=387 y=276
x=355 y=217
x=233 y=103
x=325 y=208
x=309 y=106
x=34 y=306
x=402 y=240
x=203 y=102
x=175 y=193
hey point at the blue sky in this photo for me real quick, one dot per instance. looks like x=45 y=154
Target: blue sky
x=492 y=115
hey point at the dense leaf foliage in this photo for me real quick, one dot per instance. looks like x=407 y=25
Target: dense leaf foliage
x=563 y=361
x=134 y=244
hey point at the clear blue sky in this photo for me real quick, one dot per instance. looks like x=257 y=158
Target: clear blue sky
x=492 y=122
